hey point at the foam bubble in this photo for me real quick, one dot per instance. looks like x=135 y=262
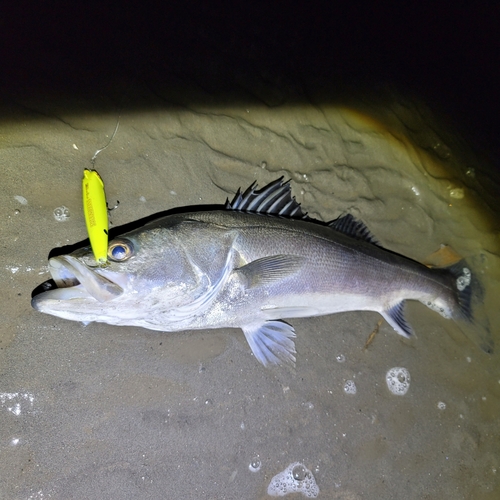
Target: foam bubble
x=398 y=380
x=350 y=387
x=463 y=281
x=16 y=402
x=255 y=464
x=299 y=472
x=457 y=193
x=61 y=214
x=296 y=478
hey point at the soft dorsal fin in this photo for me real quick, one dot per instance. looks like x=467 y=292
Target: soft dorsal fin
x=273 y=199
x=347 y=224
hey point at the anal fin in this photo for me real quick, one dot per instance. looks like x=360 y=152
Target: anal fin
x=271 y=342
x=396 y=318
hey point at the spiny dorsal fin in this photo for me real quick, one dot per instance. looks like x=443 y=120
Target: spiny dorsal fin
x=273 y=199
x=347 y=224
x=276 y=199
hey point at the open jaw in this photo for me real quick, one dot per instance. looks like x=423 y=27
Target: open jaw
x=75 y=280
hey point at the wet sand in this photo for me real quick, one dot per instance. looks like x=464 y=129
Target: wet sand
x=108 y=412
x=209 y=100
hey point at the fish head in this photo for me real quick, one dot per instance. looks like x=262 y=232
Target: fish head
x=149 y=275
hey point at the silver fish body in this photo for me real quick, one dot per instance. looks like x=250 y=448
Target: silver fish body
x=248 y=269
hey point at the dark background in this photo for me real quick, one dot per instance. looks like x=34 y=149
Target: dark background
x=80 y=52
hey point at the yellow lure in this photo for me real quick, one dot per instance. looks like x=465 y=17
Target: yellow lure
x=96 y=214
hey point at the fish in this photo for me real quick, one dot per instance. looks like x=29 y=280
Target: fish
x=256 y=261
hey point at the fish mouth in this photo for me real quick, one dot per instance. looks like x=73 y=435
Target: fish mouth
x=75 y=280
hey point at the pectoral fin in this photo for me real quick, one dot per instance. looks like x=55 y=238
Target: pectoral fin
x=271 y=342
x=270 y=269
x=396 y=318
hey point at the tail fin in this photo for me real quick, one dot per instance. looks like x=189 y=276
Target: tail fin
x=470 y=315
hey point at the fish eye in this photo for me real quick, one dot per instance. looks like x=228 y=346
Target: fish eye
x=120 y=251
